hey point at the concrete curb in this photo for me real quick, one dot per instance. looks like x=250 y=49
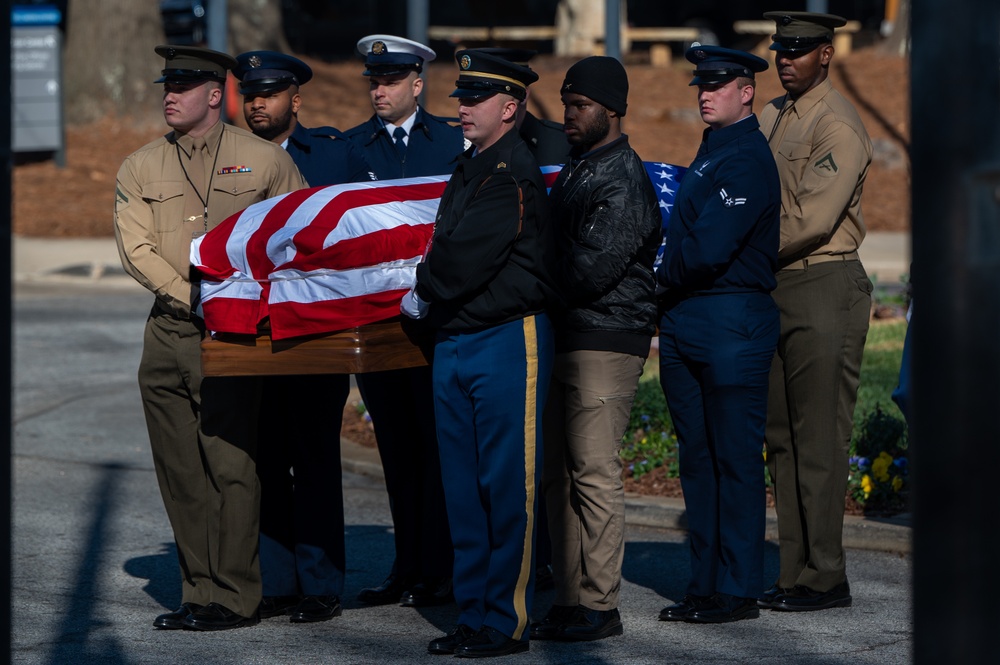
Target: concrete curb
x=863 y=533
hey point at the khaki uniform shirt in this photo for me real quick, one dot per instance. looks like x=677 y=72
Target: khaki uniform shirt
x=154 y=202
x=823 y=152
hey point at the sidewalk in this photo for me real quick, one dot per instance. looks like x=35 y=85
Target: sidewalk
x=95 y=261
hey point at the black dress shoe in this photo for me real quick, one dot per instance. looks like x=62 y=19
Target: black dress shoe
x=447 y=644
x=489 y=642
x=679 y=611
x=276 y=606
x=390 y=591
x=175 y=620
x=588 y=625
x=431 y=591
x=218 y=617
x=803 y=599
x=548 y=628
x=723 y=608
x=768 y=598
x=316 y=608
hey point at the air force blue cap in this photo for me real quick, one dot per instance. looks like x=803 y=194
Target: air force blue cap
x=481 y=74
x=386 y=55
x=717 y=65
x=269 y=71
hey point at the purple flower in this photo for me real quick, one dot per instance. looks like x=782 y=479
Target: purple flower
x=854 y=460
x=900 y=462
x=863 y=462
x=644 y=418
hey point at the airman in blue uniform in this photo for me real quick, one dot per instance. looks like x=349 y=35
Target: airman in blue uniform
x=302 y=551
x=717 y=337
x=402 y=140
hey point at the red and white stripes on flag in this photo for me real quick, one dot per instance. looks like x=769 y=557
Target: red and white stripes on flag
x=317 y=260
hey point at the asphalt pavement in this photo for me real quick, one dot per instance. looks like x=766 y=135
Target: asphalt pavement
x=94 y=560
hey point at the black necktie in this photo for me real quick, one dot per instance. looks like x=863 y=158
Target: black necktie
x=398 y=135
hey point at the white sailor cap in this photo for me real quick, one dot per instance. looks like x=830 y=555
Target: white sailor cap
x=388 y=54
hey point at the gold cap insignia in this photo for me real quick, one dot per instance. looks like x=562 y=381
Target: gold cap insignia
x=466 y=62
x=254 y=61
x=378 y=48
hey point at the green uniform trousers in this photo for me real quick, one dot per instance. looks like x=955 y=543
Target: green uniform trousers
x=203 y=437
x=813 y=388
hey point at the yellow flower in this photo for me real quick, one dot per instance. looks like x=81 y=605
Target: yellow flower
x=897 y=484
x=867 y=485
x=880 y=467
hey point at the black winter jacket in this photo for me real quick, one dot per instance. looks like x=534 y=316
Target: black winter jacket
x=492 y=249
x=607 y=221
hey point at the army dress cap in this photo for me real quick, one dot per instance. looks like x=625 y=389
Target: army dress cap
x=482 y=74
x=269 y=71
x=188 y=64
x=802 y=31
x=717 y=65
x=520 y=56
x=386 y=55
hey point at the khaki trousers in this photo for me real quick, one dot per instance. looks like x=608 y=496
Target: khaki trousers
x=203 y=437
x=812 y=392
x=590 y=399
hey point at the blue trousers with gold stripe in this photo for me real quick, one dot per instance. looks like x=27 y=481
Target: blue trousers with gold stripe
x=489 y=394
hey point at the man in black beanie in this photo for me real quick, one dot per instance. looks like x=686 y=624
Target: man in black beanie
x=607 y=223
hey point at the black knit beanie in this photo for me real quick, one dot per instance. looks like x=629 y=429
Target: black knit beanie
x=601 y=78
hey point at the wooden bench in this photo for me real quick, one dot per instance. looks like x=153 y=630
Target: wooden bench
x=499 y=33
x=843 y=37
x=659 y=40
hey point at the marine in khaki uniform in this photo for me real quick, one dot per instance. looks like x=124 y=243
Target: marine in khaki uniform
x=203 y=443
x=824 y=295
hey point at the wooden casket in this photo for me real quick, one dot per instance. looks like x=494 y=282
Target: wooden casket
x=395 y=344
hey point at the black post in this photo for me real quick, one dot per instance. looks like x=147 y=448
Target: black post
x=955 y=105
x=6 y=449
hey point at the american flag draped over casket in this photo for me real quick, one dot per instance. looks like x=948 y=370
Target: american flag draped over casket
x=330 y=258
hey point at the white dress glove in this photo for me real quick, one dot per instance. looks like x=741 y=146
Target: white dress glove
x=413 y=306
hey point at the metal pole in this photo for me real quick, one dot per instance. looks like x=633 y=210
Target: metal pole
x=613 y=29
x=217 y=24
x=417 y=20
x=6 y=229
x=956 y=279
x=819 y=6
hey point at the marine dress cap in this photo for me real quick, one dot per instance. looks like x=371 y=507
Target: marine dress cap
x=802 y=31
x=387 y=54
x=189 y=64
x=481 y=74
x=717 y=65
x=269 y=71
